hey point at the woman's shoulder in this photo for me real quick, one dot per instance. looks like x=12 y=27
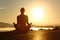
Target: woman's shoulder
x=18 y=15
x=26 y=16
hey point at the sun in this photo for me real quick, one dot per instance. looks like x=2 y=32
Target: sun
x=37 y=13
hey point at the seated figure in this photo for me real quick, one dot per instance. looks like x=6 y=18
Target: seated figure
x=22 y=22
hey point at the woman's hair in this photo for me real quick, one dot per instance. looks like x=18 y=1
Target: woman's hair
x=22 y=9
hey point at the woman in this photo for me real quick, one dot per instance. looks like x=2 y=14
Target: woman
x=22 y=21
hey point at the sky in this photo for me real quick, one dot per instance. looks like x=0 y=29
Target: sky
x=9 y=10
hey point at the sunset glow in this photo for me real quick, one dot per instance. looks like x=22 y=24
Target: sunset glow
x=36 y=29
x=37 y=13
x=46 y=12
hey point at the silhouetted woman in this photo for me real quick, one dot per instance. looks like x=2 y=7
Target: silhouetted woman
x=22 y=21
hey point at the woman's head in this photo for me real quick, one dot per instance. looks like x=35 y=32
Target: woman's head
x=22 y=9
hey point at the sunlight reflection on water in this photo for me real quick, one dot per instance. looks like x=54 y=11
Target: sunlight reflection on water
x=36 y=29
x=36 y=36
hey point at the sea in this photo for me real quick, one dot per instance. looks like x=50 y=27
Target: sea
x=33 y=34
x=32 y=28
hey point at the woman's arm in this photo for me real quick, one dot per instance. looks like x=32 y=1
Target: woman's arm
x=27 y=20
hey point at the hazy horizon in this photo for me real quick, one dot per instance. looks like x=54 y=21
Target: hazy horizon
x=9 y=10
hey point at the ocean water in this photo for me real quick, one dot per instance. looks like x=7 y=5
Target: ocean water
x=32 y=28
x=34 y=34
x=6 y=29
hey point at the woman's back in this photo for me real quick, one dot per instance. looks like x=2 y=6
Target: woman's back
x=21 y=19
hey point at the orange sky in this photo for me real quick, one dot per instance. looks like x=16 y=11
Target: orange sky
x=9 y=9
